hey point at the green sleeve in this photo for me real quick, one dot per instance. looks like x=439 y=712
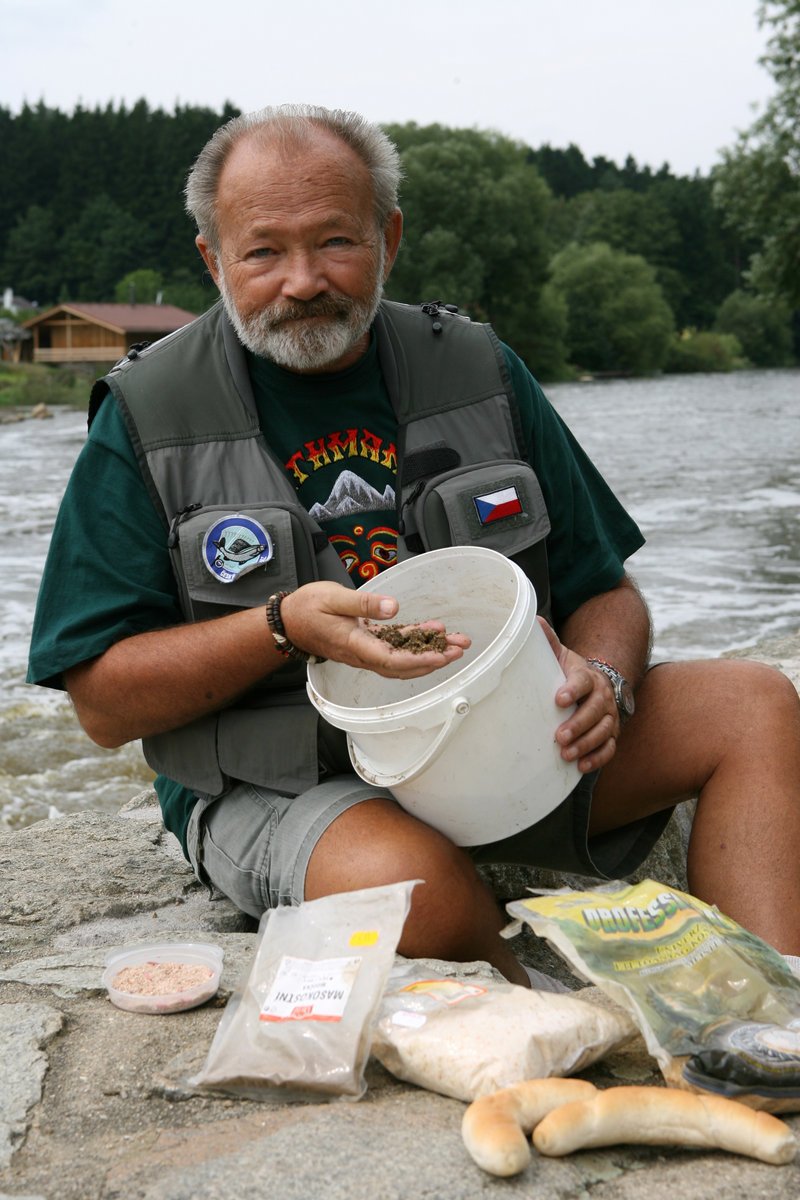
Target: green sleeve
x=108 y=572
x=591 y=534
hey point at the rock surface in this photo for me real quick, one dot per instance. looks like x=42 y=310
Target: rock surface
x=92 y=1100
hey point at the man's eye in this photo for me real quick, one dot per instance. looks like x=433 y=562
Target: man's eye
x=339 y=241
x=262 y=252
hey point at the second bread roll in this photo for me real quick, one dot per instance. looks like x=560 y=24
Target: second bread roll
x=662 y=1117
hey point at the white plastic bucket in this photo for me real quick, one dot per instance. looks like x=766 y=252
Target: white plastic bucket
x=469 y=749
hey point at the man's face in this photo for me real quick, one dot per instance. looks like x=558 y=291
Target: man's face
x=301 y=263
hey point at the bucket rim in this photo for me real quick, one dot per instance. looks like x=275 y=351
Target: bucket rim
x=385 y=717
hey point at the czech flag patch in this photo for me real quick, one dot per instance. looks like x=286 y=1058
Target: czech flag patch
x=494 y=506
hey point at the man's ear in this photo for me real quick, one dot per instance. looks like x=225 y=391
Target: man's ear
x=392 y=235
x=209 y=257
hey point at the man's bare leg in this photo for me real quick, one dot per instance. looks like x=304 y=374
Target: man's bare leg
x=453 y=916
x=727 y=731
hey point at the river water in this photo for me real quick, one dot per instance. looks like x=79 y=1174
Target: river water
x=708 y=465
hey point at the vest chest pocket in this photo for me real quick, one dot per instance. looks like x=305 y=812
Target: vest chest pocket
x=497 y=504
x=227 y=559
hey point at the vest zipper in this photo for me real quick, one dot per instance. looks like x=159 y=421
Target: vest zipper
x=414 y=495
x=173 y=537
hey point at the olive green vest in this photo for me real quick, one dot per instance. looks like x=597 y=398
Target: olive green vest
x=190 y=412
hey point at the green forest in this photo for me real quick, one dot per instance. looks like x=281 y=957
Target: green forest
x=582 y=266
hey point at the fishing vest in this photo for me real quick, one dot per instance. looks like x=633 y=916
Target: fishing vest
x=462 y=478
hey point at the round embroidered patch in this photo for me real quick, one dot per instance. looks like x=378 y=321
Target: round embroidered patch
x=235 y=545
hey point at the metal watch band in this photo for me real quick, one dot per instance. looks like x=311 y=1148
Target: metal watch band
x=623 y=692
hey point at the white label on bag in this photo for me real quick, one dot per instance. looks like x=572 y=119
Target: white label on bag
x=409 y=1020
x=305 y=990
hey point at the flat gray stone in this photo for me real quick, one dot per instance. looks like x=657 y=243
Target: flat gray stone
x=24 y=1030
x=99 y=879
x=65 y=974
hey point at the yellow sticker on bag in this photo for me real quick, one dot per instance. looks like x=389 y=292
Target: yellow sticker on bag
x=364 y=937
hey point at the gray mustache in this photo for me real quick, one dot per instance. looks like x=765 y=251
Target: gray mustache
x=321 y=306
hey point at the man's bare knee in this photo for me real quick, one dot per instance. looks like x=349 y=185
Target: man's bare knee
x=374 y=843
x=453 y=914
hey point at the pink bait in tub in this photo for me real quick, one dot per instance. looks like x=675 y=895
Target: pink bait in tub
x=166 y=977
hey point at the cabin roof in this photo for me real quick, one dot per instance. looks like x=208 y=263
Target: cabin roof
x=121 y=318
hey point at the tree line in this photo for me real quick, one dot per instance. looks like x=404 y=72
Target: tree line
x=579 y=265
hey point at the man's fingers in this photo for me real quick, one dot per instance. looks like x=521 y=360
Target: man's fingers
x=422 y=664
x=598 y=758
x=580 y=686
x=375 y=607
x=592 y=740
x=588 y=736
x=340 y=624
x=378 y=655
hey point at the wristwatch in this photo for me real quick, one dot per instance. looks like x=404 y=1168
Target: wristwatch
x=623 y=692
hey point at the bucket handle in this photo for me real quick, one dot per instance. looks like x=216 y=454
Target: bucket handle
x=459 y=708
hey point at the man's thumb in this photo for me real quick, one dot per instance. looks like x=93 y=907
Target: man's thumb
x=377 y=607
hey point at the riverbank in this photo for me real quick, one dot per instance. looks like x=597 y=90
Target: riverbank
x=25 y=385
x=92 y=1105
x=13 y=413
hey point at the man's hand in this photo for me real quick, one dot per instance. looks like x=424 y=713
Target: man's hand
x=330 y=621
x=153 y=682
x=589 y=736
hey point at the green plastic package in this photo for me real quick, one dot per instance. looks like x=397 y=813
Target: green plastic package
x=686 y=973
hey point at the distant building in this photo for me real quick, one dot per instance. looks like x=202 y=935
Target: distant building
x=98 y=333
x=12 y=338
x=16 y=304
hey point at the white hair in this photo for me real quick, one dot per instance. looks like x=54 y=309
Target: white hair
x=290 y=125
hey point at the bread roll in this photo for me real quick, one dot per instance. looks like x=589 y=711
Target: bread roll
x=663 y=1117
x=495 y=1128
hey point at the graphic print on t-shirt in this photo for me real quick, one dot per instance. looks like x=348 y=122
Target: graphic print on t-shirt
x=346 y=481
x=336 y=435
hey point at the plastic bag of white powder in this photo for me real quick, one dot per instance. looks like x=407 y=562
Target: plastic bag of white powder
x=467 y=1038
x=299 y=1026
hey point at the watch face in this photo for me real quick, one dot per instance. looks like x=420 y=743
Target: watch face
x=626 y=700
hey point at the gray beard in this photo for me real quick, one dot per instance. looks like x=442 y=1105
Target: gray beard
x=292 y=336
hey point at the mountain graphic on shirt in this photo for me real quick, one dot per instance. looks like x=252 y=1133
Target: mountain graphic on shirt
x=351 y=495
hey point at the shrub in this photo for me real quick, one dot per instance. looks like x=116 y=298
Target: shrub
x=762 y=325
x=617 y=317
x=704 y=351
x=28 y=384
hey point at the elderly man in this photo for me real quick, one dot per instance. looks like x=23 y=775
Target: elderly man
x=241 y=476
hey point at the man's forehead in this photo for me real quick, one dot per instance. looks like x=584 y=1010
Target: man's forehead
x=315 y=152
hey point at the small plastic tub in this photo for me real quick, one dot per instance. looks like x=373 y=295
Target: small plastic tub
x=163 y=977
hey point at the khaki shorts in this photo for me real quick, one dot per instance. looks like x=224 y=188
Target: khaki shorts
x=254 y=845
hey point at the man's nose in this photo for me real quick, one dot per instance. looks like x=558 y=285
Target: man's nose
x=304 y=276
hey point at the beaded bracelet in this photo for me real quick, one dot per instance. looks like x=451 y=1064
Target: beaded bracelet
x=283 y=644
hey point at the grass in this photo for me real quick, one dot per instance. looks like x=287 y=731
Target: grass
x=23 y=385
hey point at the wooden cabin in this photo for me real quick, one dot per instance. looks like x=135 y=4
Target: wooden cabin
x=97 y=333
